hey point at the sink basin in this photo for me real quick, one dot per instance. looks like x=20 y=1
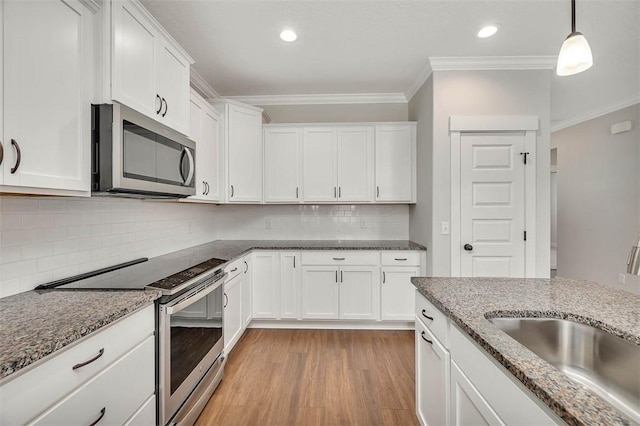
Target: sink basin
x=606 y=364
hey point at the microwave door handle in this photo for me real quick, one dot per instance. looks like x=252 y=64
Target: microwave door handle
x=174 y=309
x=192 y=167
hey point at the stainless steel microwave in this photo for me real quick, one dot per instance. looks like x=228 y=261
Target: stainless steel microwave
x=135 y=156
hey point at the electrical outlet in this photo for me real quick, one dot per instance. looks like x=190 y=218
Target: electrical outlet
x=267 y=224
x=621 y=278
x=444 y=228
x=363 y=224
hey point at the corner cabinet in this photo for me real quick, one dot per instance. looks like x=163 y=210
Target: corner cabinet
x=46 y=92
x=148 y=70
x=241 y=136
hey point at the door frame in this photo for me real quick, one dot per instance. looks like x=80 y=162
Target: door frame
x=529 y=125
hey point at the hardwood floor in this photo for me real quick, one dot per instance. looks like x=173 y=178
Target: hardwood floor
x=317 y=377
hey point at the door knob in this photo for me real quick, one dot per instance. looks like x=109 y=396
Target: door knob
x=468 y=247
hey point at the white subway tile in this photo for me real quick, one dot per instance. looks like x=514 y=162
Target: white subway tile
x=10 y=287
x=89 y=243
x=10 y=222
x=80 y=231
x=55 y=205
x=78 y=257
x=51 y=234
x=10 y=254
x=34 y=251
x=18 y=205
x=66 y=246
x=17 y=269
x=18 y=237
x=35 y=221
x=50 y=263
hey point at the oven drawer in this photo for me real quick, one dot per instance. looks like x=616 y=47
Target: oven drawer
x=341 y=257
x=34 y=391
x=114 y=395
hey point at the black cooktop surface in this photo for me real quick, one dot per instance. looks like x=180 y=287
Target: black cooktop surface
x=179 y=278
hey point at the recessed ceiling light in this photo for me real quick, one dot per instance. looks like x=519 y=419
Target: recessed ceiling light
x=487 y=31
x=288 y=35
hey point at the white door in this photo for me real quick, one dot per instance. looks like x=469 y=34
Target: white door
x=359 y=292
x=398 y=294
x=432 y=388
x=468 y=407
x=244 y=154
x=173 y=87
x=320 y=292
x=355 y=164
x=492 y=205
x=47 y=86
x=289 y=285
x=265 y=285
x=320 y=159
x=395 y=163
x=282 y=148
x=134 y=60
x=232 y=319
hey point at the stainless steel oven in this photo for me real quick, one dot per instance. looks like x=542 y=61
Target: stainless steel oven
x=190 y=346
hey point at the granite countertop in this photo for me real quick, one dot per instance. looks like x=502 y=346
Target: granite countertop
x=470 y=301
x=37 y=323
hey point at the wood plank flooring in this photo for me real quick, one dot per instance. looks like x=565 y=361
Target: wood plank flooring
x=317 y=377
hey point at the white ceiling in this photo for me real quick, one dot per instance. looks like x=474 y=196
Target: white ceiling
x=368 y=46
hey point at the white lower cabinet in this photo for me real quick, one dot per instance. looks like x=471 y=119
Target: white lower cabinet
x=397 y=293
x=320 y=292
x=247 y=310
x=232 y=320
x=432 y=378
x=290 y=285
x=359 y=292
x=118 y=382
x=458 y=383
x=265 y=285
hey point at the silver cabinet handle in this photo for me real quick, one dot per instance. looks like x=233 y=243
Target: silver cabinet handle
x=15 y=144
x=425 y=339
x=102 y=412
x=338 y=258
x=187 y=180
x=82 y=364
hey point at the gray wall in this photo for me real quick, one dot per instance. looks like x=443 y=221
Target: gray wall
x=336 y=113
x=420 y=214
x=476 y=93
x=598 y=198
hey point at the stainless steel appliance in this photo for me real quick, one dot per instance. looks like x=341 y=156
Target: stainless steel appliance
x=134 y=155
x=189 y=323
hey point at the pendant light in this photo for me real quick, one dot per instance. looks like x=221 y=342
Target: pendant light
x=575 y=53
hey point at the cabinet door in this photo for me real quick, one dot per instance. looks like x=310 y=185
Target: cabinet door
x=195 y=126
x=359 y=292
x=172 y=71
x=355 y=164
x=282 y=147
x=247 y=310
x=398 y=294
x=320 y=292
x=232 y=319
x=432 y=378
x=320 y=159
x=289 y=285
x=133 y=66
x=209 y=155
x=244 y=141
x=395 y=163
x=265 y=285
x=47 y=85
x=468 y=407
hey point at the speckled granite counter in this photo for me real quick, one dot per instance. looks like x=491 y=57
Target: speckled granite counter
x=469 y=301
x=36 y=324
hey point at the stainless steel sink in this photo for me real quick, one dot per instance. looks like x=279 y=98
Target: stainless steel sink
x=606 y=364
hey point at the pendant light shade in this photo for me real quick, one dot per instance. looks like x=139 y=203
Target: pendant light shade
x=575 y=53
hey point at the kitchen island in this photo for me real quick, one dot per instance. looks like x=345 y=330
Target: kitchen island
x=469 y=302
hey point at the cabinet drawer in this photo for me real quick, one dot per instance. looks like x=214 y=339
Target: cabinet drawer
x=114 y=394
x=34 y=391
x=235 y=268
x=340 y=258
x=145 y=415
x=400 y=258
x=433 y=319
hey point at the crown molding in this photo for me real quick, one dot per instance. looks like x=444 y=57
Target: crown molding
x=347 y=98
x=202 y=86
x=563 y=124
x=492 y=63
x=419 y=81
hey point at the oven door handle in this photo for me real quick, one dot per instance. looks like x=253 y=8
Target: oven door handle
x=180 y=305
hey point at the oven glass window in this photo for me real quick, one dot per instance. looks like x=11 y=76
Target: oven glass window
x=194 y=332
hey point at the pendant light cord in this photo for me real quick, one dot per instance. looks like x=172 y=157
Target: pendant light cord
x=573 y=16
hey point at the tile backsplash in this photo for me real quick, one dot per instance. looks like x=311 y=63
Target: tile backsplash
x=46 y=238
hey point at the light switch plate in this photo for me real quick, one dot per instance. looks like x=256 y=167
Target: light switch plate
x=444 y=228
x=621 y=278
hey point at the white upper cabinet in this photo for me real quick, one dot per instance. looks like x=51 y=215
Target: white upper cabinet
x=320 y=164
x=282 y=151
x=205 y=131
x=355 y=164
x=149 y=70
x=241 y=132
x=46 y=94
x=395 y=169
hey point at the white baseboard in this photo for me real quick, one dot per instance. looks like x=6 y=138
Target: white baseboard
x=332 y=324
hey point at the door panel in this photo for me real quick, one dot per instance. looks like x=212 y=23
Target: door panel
x=282 y=165
x=394 y=163
x=245 y=154
x=173 y=75
x=359 y=292
x=492 y=204
x=320 y=292
x=355 y=164
x=320 y=153
x=398 y=294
